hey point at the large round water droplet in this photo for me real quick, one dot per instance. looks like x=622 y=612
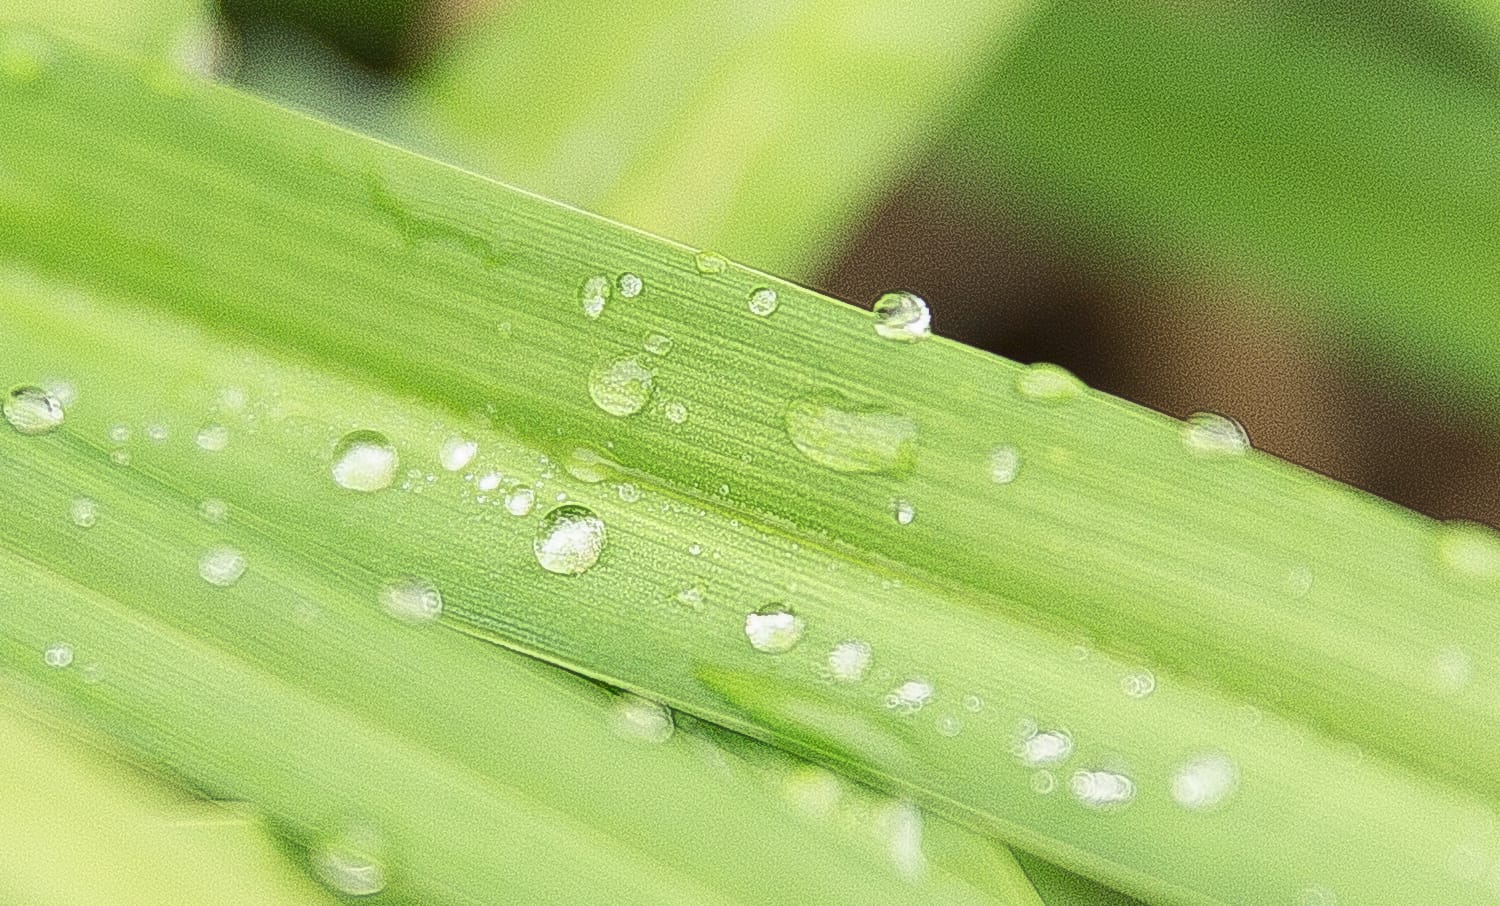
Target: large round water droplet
x=364 y=461
x=32 y=410
x=620 y=386
x=1102 y=790
x=773 y=630
x=903 y=317
x=1049 y=383
x=763 y=301
x=412 y=600
x=1210 y=434
x=839 y=435
x=569 y=540
x=1204 y=782
x=349 y=862
x=221 y=566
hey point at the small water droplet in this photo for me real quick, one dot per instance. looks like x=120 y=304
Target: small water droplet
x=1038 y=747
x=58 y=654
x=457 y=452
x=710 y=263
x=1210 y=434
x=909 y=697
x=628 y=492
x=120 y=457
x=1469 y=549
x=849 y=660
x=904 y=511
x=695 y=550
x=620 y=387
x=774 y=629
x=1204 y=782
x=569 y=540
x=841 y=436
x=214 y=510
x=1102 y=790
x=1043 y=783
x=84 y=512
x=349 y=862
x=1299 y=581
x=1048 y=383
x=364 y=461
x=903 y=317
x=212 y=438
x=488 y=482
x=594 y=294
x=630 y=286
x=973 y=702
x=1139 y=683
x=157 y=433
x=763 y=301
x=692 y=596
x=658 y=344
x=520 y=501
x=412 y=600
x=221 y=566
x=676 y=412
x=119 y=434
x=1005 y=464
x=32 y=410
x=949 y=726
x=635 y=717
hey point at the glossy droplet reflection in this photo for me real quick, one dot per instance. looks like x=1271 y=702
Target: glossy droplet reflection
x=569 y=540
x=58 y=655
x=364 y=461
x=1204 y=782
x=640 y=718
x=84 y=512
x=839 y=435
x=1209 y=434
x=349 y=862
x=1102 y=790
x=456 y=452
x=1044 y=747
x=773 y=630
x=32 y=410
x=620 y=387
x=903 y=317
x=763 y=301
x=1005 y=464
x=849 y=660
x=221 y=566
x=1048 y=383
x=412 y=600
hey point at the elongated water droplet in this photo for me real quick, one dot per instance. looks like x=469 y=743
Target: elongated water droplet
x=658 y=344
x=903 y=317
x=349 y=862
x=569 y=540
x=1204 y=782
x=364 y=461
x=773 y=630
x=1210 y=434
x=412 y=600
x=1048 y=383
x=905 y=841
x=587 y=465
x=849 y=660
x=839 y=435
x=1005 y=464
x=1102 y=790
x=620 y=387
x=520 y=500
x=763 y=301
x=594 y=295
x=58 y=654
x=212 y=438
x=640 y=718
x=630 y=286
x=32 y=410
x=457 y=452
x=904 y=511
x=1043 y=747
x=710 y=263
x=84 y=512
x=221 y=566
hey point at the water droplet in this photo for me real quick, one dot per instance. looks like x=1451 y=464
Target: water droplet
x=710 y=263
x=489 y=481
x=903 y=317
x=909 y=697
x=1039 y=747
x=520 y=500
x=119 y=434
x=774 y=629
x=221 y=566
x=1102 y=790
x=1469 y=549
x=1005 y=464
x=630 y=286
x=595 y=295
x=658 y=344
x=1318 y=896
x=349 y=862
x=763 y=301
x=569 y=540
x=640 y=718
x=1299 y=581
x=1210 y=434
x=84 y=512
x=1043 y=783
x=157 y=433
x=849 y=660
x=903 y=511
x=1452 y=669
x=586 y=465
x=843 y=437
x=214 y=510
x=628 y=492
x=949 y=726
x=457 y=452
x=364 y=461
x=695 y=550
x=412 y=600
x=1138 y=684
x=620 y=387
x=676 y=412
x=32 y=410
x=58 y=654
x=974 y=702
x=905 y=847
x=213 y=438
x=1204 y=782
x=120 y=457
x=1049 y=383
x=692 y=596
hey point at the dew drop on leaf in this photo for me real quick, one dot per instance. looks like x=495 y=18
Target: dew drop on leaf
x=520 y=500
x=773 y=630
x=630 y=286
x=1210 y=434
x=569 y=540
x=349 y=862
x=1005 y=464
x=221 y=566
x=763 y=301
x=412 y=600
x=903 y=317
x=620 y=387
x=1139 y=683
x=635 y=717
x=841 y=436
x=213 y=510
x=456 y=452
x=212 y=438
x=1043 y=747
x=364 y=461
x=676 y=412
x=710 y=263
x=594 y=294
x=910 y=697
x=32 y=410
x=58 y=654
x=1048 y=383
x=849 y=660
x=1204 y=782
x=1101 y=790
x=658 y=344
x=84 y=512
x=904 y=511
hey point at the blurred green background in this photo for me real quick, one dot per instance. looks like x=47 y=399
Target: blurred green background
x=1288 y=213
